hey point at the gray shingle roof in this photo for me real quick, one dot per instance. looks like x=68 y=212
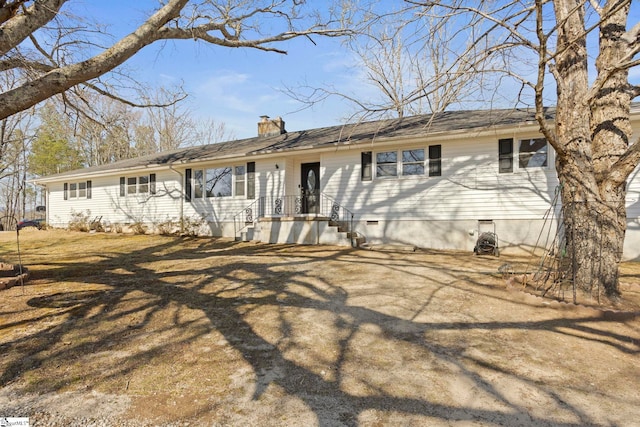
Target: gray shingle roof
x=428 y=124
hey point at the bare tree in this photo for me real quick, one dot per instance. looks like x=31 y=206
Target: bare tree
x=209 y=131
x=413 y=62
x=28 y=25
x=167 y=127
x=542 y=45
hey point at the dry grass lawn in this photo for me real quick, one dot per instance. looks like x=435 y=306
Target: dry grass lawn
x=158 y=330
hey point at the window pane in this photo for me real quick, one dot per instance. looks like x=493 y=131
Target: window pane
x=413 y=156
x=387 y=157
x=219 y=182
x=131 y=185
x=143 y=184
x=72 y=190
x=198 y=178
x=386 y=170
x=413 y=169
x=533 y=153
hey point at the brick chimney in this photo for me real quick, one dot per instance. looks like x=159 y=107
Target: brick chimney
x=268 y=127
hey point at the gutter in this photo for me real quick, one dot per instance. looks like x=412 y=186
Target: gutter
x=181 y=197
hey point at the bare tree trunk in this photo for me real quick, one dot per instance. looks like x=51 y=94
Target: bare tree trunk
x=611 y=130
x=579 y=191
x=593 y=197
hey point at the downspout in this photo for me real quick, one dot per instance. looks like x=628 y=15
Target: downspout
x=181 y=198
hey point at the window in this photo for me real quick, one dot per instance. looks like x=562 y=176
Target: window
x=77 y=190
x=413 y=162
x=240 y=178
x=366 y=159
x=219 y=182
x=505 y=155
x=386 y=164
x=132 y=185
x=435 y=160
x=214 y=182
x=82 y=190
x=187 y=184
x=145 y=184
x=533 y=153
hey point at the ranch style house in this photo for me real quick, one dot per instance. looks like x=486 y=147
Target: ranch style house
x=427 y=181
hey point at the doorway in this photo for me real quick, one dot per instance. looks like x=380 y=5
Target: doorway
x=310 y=187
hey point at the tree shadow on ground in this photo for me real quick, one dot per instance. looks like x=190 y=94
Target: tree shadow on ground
x=240 y=289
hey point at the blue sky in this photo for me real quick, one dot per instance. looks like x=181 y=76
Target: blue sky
x=237 y=86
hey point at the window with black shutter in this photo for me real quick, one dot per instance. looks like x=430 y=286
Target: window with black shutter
x=435 y=160
x=187 y=185
x=366 y=160
x=505 y=153
x=251 y=180
x=66 y=191
x=123 y=186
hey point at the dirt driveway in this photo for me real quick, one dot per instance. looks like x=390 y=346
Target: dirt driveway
x=150 y=330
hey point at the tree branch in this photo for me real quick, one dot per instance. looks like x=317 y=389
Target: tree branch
x=19 y=26
x=60 y=79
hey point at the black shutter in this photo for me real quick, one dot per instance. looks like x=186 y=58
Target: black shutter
x=66 y=191
x=505 y=155
x=435 y=160
x=366 y=159
x=251 y=180
x=152 y=183
x=187 y=185
x=88 y=189
x=123 y=186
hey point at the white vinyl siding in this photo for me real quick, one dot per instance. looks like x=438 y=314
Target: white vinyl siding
x=470 y=187
x=107 y=203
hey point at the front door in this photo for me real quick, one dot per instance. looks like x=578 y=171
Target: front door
x=310 y=187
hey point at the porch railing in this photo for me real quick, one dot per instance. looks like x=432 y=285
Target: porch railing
x=248 y=216
x=319 y=205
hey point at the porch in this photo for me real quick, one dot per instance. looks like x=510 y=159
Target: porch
x=313 y=218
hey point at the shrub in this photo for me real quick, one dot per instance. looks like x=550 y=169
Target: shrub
x=192 y=226
x=168 y=228
x=80 y=221
x=138 y=227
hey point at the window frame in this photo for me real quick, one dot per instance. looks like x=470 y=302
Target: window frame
x=228 y=171
x=132 y=185
x=382 y=165
x=405 y=163
x=505 y=155
x=77 y=190
x=430 y=163
x=528 y=156
x=366 y=166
